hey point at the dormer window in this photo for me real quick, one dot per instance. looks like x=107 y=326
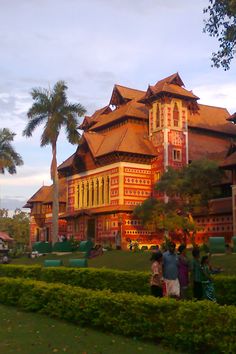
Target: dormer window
x=176 y=116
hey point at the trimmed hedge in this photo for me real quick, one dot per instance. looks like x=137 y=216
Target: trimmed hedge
x=191 y=326
x=89 y=278
x=115 y=280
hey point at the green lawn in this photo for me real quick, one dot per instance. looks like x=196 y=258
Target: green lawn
x=28 y=333
x=125 y=260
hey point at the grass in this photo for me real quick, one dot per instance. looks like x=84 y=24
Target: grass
x=28 y=333
x=124 y=260
x=32 y=333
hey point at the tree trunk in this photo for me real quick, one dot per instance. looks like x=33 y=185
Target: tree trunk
x=55 y=203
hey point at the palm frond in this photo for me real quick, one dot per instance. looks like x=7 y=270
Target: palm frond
x=33 y=123
x=9 y=158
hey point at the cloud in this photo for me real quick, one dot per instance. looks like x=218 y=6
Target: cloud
x=221 y=95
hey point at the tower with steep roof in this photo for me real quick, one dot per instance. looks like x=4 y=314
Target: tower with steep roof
x=170 y=105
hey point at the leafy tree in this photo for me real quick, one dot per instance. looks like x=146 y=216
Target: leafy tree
x=52 y=109
x=188 y=189
x=222 y=25
x=17 y=227
x=9 y=158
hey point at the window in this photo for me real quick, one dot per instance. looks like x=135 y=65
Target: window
x=157 y=176
x=176 y=155
x=176 y=115
x=106 y=225
x=158 y=121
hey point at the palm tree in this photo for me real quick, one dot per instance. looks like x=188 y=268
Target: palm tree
x=9 y=158
x=52 y=109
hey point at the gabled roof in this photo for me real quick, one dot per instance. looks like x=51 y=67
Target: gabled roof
x=40 y=195
x=45 y=194
x=123 y=94
x=171 y=85
x=88 y=121
x=67 y=163
x=212 y=118
x=128 y=138
x=130 y=109
x=61 y=193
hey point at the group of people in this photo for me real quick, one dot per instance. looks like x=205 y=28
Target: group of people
x=171 y=273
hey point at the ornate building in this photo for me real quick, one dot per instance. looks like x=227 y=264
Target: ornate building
x=125 y=148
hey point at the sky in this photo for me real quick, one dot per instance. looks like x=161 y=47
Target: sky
x=92 y=45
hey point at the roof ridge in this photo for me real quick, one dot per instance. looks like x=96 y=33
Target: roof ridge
x=122 y=137
x=129 y=88
x=91 y=147
x=208 y=105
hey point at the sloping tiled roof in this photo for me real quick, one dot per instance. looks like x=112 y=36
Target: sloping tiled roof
x=40 y=195
x=45 y=194
x=219 y=206
x=229 y=161
x=61 y=192
x=130 y=109
x=207 y=146
x=172 y=85
x=68 y=162
x=212 y=118
x=5 y=237
x=124 y=94
x=88 y=121
x=129 y=138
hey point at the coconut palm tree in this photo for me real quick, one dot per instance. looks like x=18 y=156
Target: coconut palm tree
x=51 y=108
x=9 y=158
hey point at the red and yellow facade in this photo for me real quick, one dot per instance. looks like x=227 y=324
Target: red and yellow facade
x=124 y=152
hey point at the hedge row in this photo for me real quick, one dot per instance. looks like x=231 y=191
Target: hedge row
x=90 y=278
x=191 y=326
x=115 y=280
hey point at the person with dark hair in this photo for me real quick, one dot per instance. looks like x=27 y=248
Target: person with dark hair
x=207 y=283
x=196 y=274
x=183 y=271
x=170 y=272
x=156 y=278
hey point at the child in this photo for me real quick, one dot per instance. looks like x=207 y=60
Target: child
x=196 y=271
x=207 y=284
x=156 y=278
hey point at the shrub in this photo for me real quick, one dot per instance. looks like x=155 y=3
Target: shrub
x=193 y=326
x=115 y=280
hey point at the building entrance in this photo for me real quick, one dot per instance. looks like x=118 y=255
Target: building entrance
x=91 y=230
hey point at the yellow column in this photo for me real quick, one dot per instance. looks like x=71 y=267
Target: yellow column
x=100 y=190
x=80 y=195
x=95 y=191
x=121 y=185
x=85 y=193
x=105 y=190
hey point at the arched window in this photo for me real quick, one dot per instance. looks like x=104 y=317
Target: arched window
x=158 y=117
x=176 y=115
